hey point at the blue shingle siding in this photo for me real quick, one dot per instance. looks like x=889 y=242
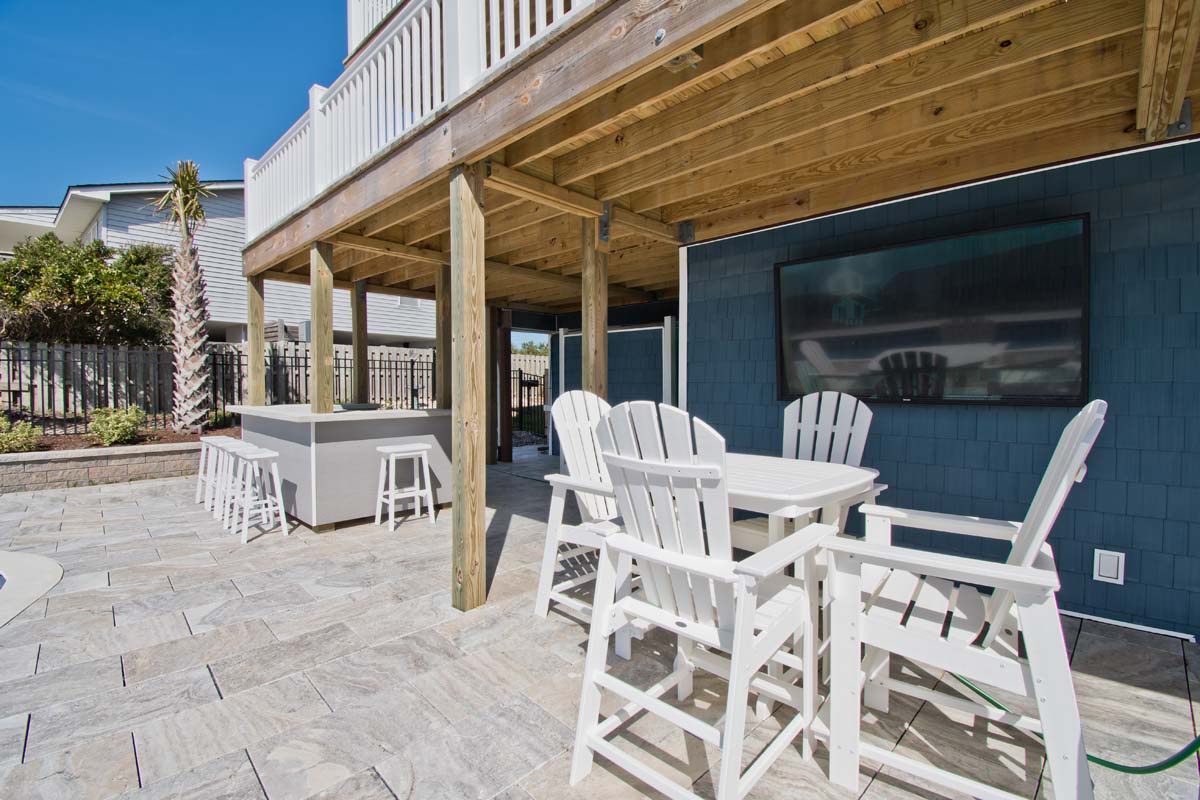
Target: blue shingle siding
x=1142 y=493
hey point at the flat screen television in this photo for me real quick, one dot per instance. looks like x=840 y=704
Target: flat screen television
x=993 y=316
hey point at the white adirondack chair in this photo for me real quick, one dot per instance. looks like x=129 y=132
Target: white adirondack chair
x=576 y=415
x=729 y=618
x=830 y=427
x=928 y=611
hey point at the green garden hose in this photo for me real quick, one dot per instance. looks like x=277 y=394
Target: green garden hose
x=1159 y=766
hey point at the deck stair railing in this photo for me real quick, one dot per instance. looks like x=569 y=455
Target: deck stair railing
x=410 y=58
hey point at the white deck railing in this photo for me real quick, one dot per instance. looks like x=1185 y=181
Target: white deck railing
x=424 y=56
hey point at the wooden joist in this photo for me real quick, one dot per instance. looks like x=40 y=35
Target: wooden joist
x=375 y=245
x=373 y=288
x=522 y=184
x=1169 y=40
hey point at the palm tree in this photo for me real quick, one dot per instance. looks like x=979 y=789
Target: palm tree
x=181 y=203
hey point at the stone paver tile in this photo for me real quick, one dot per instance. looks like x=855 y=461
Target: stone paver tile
x=152 y=605
x=52 y=686
x=12 y=738
x=1133 y=699
x=91 y=770
x=481 y=755
x=93 y=558
x=17 y=662
x=297 y=572
x=326 y=751
x=169 y=745
x=191 y=651
x=230 y=777
x=112 y=641
x=264 y=664
x=105 y=597
x=292 y=622
x=479 y=679
x=366 y=785
x=551 y=781
x=38 y=628
x=356 y=677
x=1110 y=785
x=390 y=620
x=79 y=582
x=61 y=726
x=159 y=569
x=241 y=609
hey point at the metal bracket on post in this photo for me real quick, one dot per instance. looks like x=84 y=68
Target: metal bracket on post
x=1183 y=127
x=687 y=232
x=604 y=229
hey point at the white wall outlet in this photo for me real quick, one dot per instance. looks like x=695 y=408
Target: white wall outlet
x=1108 y=566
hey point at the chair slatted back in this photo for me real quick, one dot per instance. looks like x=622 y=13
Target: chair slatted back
x=1067 y=466
x=576 y=415
x=826 y=426
x=668 y=473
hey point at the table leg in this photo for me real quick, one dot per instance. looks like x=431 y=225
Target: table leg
x=763 y=707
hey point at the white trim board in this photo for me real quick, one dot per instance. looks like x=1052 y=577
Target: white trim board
x=1187 y=637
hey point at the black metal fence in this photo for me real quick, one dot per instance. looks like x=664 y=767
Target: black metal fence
x=57 y=387
x=529 y=402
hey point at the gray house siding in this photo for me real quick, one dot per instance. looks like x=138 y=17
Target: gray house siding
x=131 y=219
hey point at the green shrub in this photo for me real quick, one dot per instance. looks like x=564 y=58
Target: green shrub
x=111 y=426
x=17 y=437
x=221 y=419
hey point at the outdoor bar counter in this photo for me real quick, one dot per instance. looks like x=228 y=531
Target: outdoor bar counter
x=328 y=464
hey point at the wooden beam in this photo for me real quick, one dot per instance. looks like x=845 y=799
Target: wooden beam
x=615 y=45
x=570 y=282
x=1170 y=35
x=256 y=365
x=904 y=115
x=893 y=36
x=372 y=288
x=360 y=368
x=320 y=392
x=443 y=355
x=625 y=221
x=595 y=312
x=1043 y=148
x=522 y=184
x=753 y=38
x=385 y=246
x=468 y=588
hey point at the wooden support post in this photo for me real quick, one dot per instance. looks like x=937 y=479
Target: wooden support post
x=320 y=390
x=469 y=586
x=493 y=414
x=595 y=312
x=505 y=383
x=256 y=367
x=443 y=355
x=360 y=366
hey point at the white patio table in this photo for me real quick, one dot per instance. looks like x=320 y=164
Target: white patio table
x=786 y=488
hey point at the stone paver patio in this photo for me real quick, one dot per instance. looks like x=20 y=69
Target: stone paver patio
x=174 y=662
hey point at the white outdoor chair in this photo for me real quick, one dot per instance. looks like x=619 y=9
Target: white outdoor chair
x=729 y=618
x=576 y=415
x=929 y=611
x=829 y=427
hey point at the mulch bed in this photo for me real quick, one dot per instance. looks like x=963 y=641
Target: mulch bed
x=79 y=442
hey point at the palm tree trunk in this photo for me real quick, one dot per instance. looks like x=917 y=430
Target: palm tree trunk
x=190 y=340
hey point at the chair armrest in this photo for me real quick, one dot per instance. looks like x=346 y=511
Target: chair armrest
x=946 y=523
x=788 y=550
x=953 y=568
x=580 y=485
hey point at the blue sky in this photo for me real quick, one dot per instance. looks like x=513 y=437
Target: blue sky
x=99 y=92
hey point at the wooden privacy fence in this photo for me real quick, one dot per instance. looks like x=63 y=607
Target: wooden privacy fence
x=58 y=386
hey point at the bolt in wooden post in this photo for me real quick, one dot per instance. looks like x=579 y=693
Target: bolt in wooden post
x=470 y=375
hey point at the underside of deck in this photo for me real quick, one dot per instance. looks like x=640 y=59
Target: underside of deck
x=746 y=115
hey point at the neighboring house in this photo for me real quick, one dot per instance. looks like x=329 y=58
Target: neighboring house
x=123 y=214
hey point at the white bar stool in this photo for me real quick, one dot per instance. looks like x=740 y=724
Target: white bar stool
x=257 y=490
x=207 y=471
x=223 y=480
x=418 y=455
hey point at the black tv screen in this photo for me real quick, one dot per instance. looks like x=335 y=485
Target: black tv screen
x=996 y=316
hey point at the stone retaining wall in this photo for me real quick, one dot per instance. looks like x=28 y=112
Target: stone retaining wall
x=61 y=469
